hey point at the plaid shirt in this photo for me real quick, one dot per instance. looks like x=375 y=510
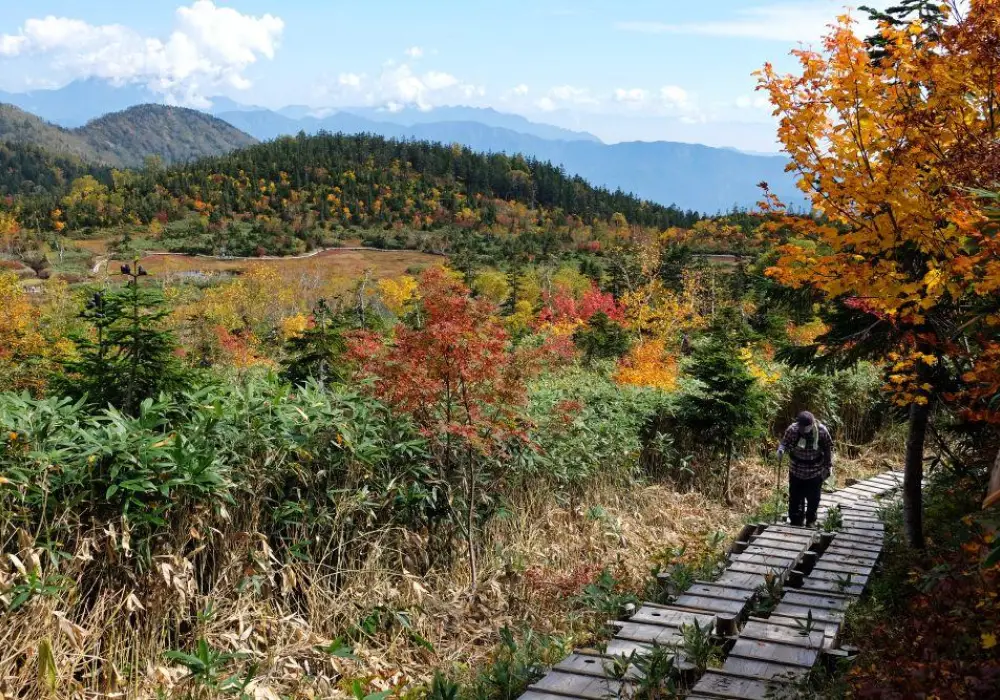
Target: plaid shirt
x=807 y=463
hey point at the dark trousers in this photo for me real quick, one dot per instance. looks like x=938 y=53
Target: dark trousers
x=803 y=499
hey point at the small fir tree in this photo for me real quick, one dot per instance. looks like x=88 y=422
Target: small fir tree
x=129 y=357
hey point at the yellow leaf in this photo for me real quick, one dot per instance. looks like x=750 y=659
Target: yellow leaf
x=989 y=640
x=47 y=675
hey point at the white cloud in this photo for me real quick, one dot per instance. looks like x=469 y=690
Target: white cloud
x=210 y=47
x=675 y=96
x=521 y=90
x=755 y=102
x=790 y=22
x=398 y=86
x=415 y=52
x=634 y=98
x=546 y=104
x=435 y=80
x=573 y=95
x=352 y=80
x=12 y=45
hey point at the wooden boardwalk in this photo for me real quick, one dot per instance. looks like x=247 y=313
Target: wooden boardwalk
x=821 y=574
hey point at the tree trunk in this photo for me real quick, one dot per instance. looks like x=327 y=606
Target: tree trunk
x=993 y=492
x=913 y=476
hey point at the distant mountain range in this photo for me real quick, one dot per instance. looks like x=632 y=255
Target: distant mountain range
x=126 y=138
x=691 y=176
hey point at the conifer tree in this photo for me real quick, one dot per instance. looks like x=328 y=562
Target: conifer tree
x=130 y=356
x=317 y=353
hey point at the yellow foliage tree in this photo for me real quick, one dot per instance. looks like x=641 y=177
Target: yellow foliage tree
x=255 y=301
x=887 y=150
x=9 y=230
x=569 y=280
x=649 y=364
x=399 y=294
x=529 y=288
x=24 y=351
x=492 y=285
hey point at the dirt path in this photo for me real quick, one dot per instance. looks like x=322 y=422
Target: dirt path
x=103 y=261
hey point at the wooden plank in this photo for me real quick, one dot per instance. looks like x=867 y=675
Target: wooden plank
x=851 y=556
x=864 y=529
x=801 y=612
x=812 y=600
x=864 y=505
x=780 y=634
x=791 y=532
x=717 y=684
x=866 y=539
x=861 y=517
x=766 y=560
x=863 y=488
x=865 y=516
x=625 y=647
x=585 y=665
x=780 y=653
x=648 y=634
x=669 y=617
x=736 y=579
x=821 y=586
x=744 y=568
x=764 y=551
x=573 y=685
x=852 y=560
x=849 y=546
x=755 y=668
x=715 y=605
x=830 y=629
x=886 y=479
x=539 y=695
x=821 y=575
x=779 y=544
x=854 y=549
x=715 y=590
x=842 y=569
x=864 y=534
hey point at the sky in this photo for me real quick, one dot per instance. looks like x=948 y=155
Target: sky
x=624 y=70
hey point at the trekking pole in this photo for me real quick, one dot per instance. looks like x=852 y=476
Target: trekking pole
x=777 y=485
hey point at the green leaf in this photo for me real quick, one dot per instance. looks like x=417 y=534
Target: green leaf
x=193 y=663
x=993 y=558
x=340 y=649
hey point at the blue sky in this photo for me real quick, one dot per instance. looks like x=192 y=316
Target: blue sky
x=625 y=70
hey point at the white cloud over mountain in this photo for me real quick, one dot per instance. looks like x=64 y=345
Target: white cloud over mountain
x=210 y=47
x=397 y=86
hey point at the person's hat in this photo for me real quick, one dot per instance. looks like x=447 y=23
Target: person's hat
x=805 y=419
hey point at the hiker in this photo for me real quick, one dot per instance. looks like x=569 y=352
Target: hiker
x=810 y=453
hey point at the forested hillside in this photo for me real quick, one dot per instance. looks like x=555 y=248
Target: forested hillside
x=296 y=194
x=128 y=138
x=27 y=170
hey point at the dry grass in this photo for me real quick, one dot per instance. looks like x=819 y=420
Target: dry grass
x=110 y=643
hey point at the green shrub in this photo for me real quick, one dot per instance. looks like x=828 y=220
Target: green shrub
x=849 y=402
x=586 y=425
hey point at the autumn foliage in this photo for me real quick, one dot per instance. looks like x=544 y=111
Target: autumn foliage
x=456 y=373
x=889 y=151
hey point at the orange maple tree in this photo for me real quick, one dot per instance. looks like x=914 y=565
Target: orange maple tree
x=887 y=153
